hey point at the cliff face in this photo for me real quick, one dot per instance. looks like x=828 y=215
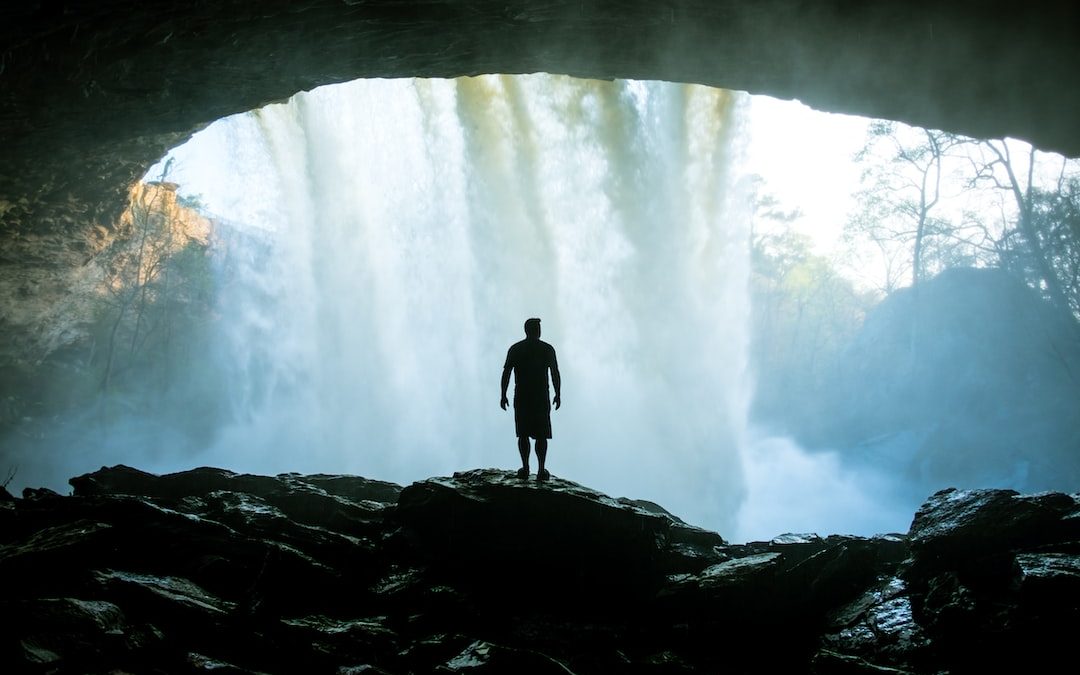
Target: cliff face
x=969 y=379
x=484 y=573
x=51 y=284
x=61 y=292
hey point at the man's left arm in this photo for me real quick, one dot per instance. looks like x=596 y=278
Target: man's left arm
x=556 y=380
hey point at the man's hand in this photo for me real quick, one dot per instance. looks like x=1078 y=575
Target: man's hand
x=558 y=401
x=504 y=402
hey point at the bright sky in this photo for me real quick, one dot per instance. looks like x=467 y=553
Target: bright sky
x=805 y=157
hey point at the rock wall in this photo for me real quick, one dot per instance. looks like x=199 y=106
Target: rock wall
x=969 y=379
x=92 y=94
x=52 y=283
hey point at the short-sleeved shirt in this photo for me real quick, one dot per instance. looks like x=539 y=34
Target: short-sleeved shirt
x=530 y=360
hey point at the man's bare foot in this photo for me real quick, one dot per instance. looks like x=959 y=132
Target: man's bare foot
x=523 y=473
x=542 y=475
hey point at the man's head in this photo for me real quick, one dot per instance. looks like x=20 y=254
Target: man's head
x=532 y=328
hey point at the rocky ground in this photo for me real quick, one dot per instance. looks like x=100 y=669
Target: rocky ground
x=211 y=571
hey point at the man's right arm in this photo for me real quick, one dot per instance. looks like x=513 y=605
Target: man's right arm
x=503 y=402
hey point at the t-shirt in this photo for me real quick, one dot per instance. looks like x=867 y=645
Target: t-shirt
x=530 y=360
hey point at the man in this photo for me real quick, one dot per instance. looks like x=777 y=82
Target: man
x=530 y=360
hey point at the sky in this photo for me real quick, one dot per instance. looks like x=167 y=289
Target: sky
x=805 y=157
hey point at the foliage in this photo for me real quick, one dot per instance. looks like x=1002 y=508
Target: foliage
x=902 y=189
x=1055 y=218
x=193 y=202
x=152 y=319
x=804 y=313
x=932 y=201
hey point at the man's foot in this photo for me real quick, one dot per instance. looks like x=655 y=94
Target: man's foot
x=523 y=473
x=542 y=475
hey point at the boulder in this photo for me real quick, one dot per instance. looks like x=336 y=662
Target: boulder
x=554 y=540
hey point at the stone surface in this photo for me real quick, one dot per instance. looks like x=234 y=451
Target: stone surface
x=56 y=288
x=480 y=572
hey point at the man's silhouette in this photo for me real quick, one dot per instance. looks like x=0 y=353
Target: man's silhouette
x=530 y=360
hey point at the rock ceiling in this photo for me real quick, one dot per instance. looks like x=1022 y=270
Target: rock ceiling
x=92 y=93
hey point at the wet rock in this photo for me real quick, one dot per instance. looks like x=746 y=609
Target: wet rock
x=349 y=504
x=875 y=633
x=964 y=524
x=162 y=596
x=122 y=479
x=992 y=577
x=493 y=530
x=484 y=657
x=74 y=635
x=38 y=493
x=1045 y=578
x=328 y=642
x=355 y=488
x=210 y=571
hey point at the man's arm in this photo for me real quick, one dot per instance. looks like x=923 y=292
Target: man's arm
x=556 y=382
x=505 y=383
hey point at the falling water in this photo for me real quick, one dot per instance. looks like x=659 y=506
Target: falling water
x=389 y=238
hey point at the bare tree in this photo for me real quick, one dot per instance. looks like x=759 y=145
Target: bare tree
x=996 y=165
x=899 y=197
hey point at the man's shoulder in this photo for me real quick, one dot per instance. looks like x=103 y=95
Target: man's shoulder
x=532 y=346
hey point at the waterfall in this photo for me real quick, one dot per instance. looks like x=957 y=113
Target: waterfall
x=388 y=238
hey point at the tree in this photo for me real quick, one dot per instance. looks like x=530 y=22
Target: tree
x=804 y=313
x=1055 y=221
x=154 y=268
x=898 y=201
x=1041 y=258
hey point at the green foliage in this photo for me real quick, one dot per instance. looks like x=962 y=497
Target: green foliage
x=931 y=201
x=150 y=334
x=905 y=178
x=804 y=313
x=193 y=202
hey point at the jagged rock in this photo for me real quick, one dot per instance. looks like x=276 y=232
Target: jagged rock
x=348 y=504
x=484 y=657
x=875 y=633
x=954 y=526
x=210 y=571
x=38 y=493
x=1044 y=578
x=124 y=480
x=557 y=539
x=58 y=632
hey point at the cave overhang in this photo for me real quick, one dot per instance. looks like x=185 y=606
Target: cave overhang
x=91 y=95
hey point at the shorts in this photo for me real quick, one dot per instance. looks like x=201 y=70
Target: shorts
x=532 y=421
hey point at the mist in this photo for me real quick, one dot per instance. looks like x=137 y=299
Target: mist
x=378 y=245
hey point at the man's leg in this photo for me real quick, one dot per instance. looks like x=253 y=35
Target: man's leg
x=541 y=454
x=523 y=449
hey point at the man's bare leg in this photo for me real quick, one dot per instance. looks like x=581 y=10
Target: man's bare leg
x=523 y=449
x=541 y=455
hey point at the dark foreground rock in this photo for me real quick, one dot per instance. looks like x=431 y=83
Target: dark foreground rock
x=210 y=571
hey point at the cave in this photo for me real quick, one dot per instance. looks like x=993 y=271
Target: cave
x=93 y=95
x=105 y=91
